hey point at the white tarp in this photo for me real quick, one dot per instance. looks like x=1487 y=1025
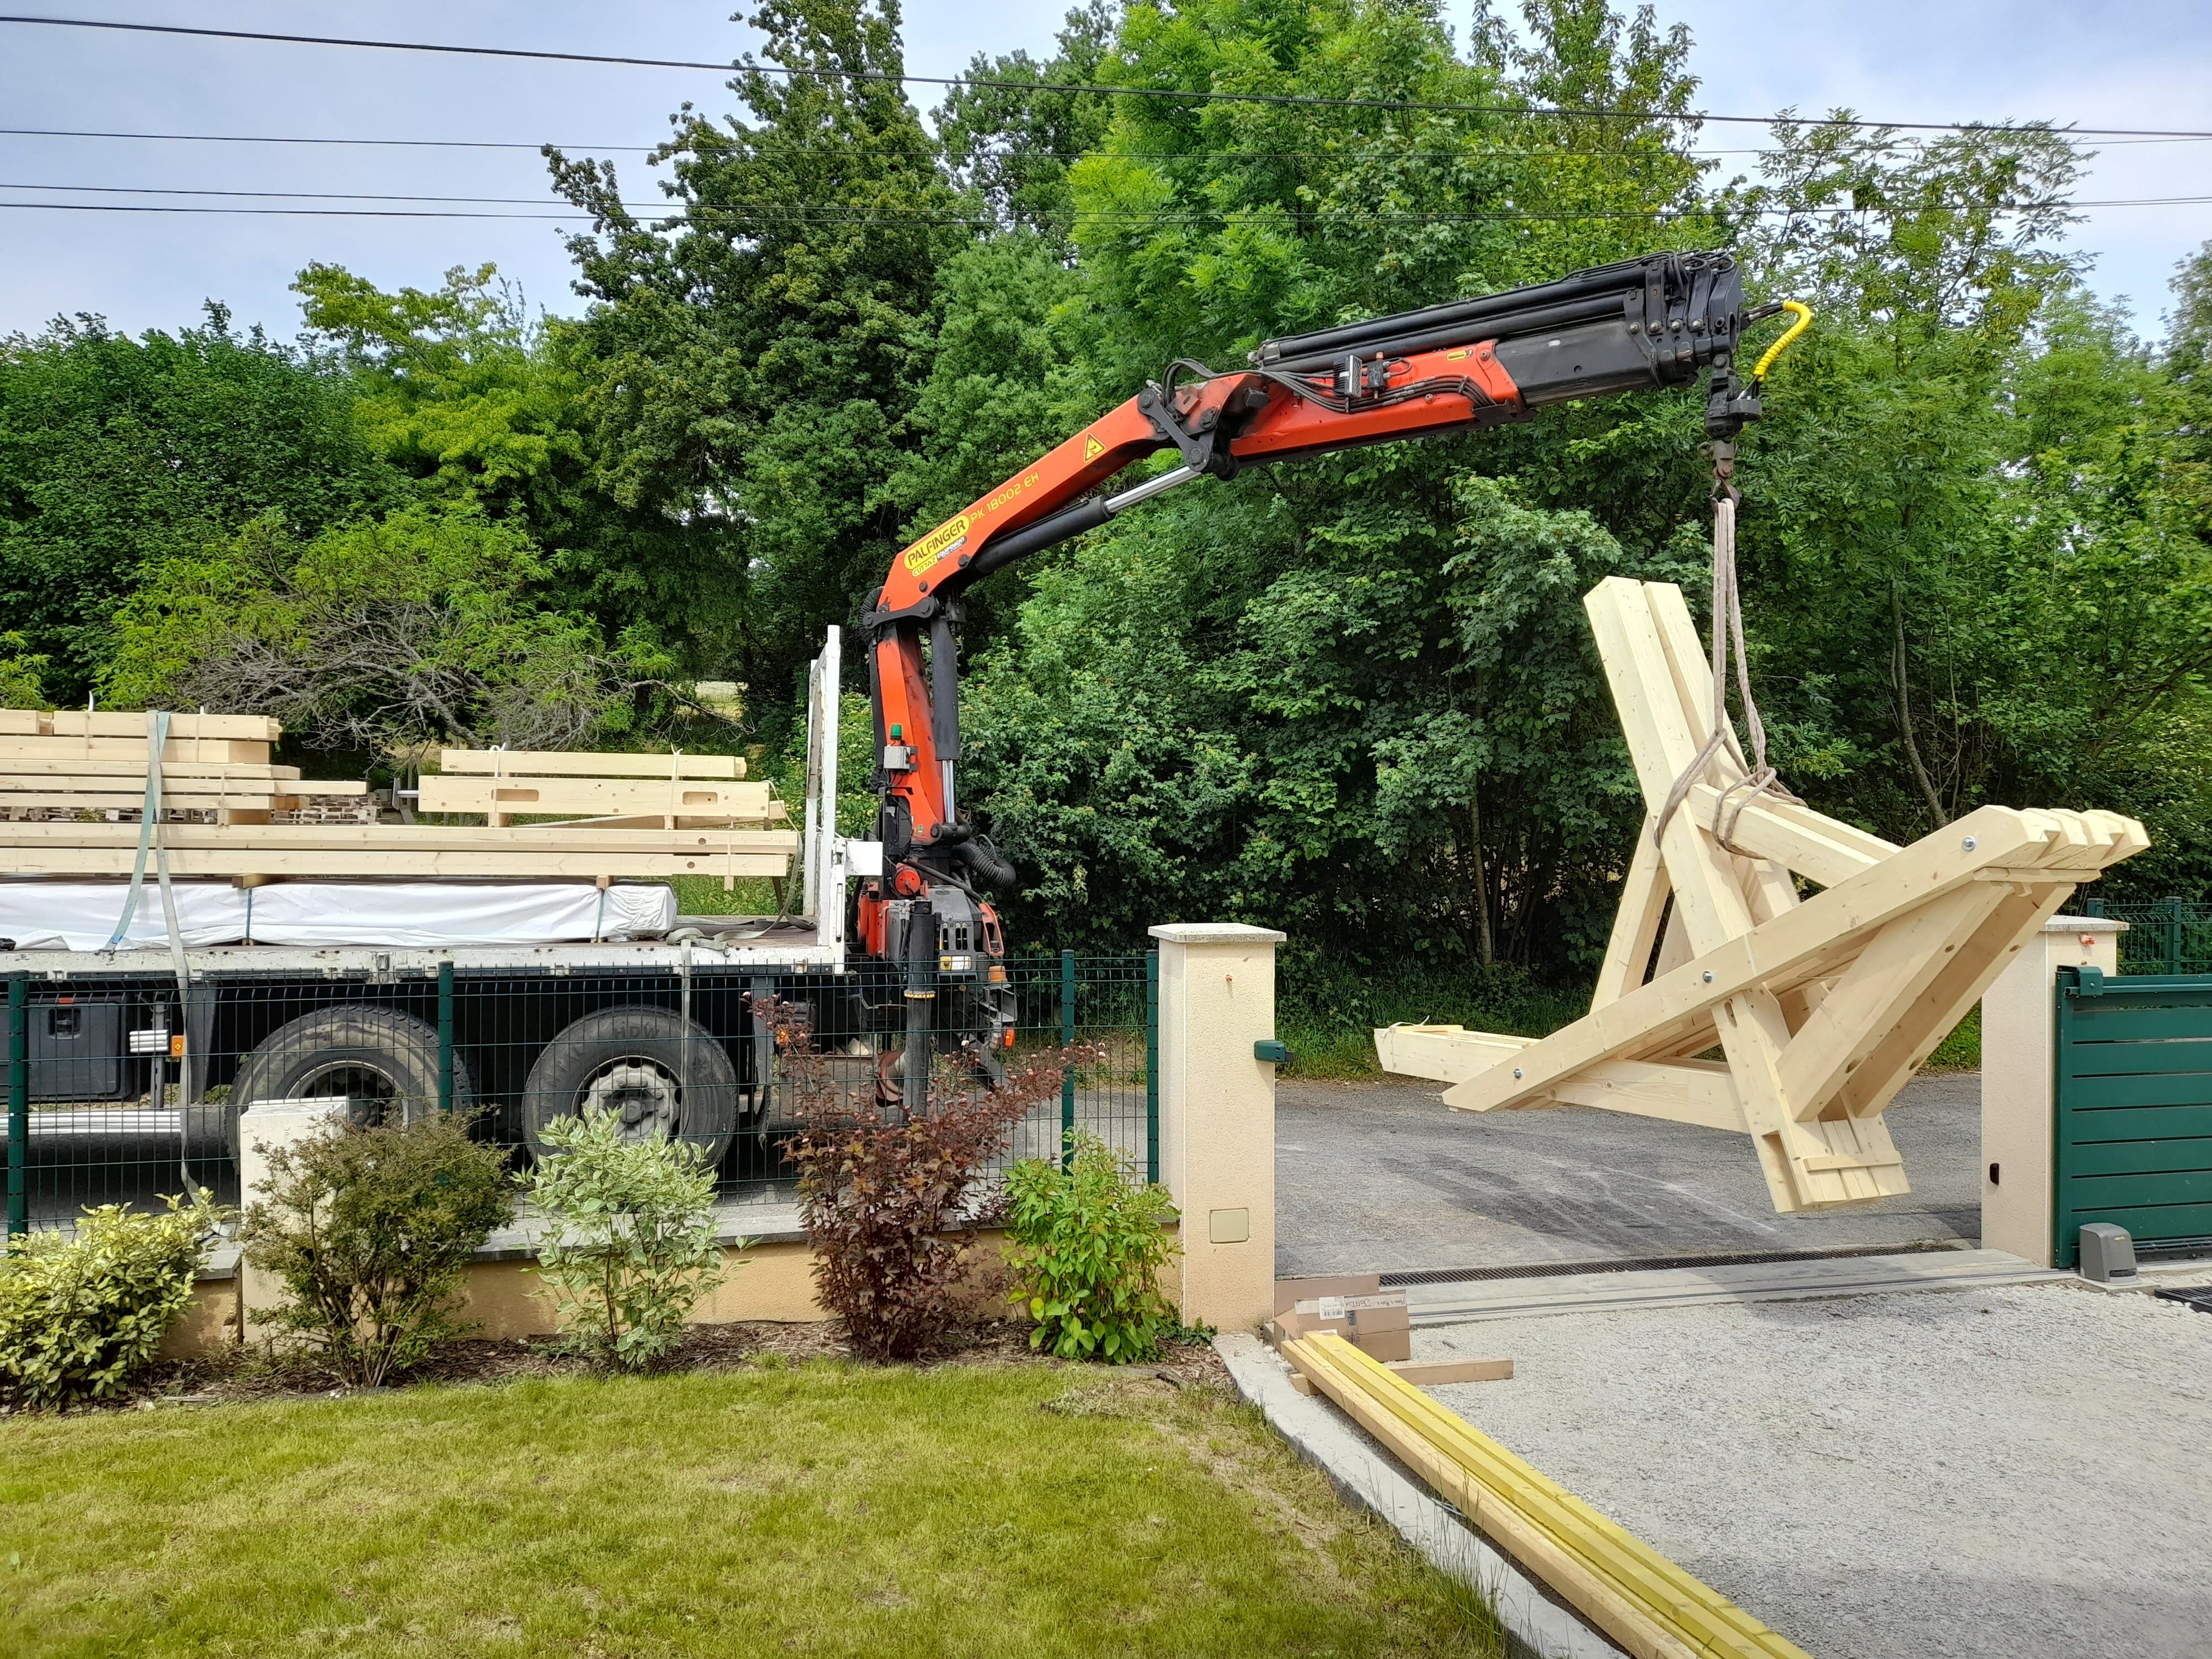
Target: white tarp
x=81 y=915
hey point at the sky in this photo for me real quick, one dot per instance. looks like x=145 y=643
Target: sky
x=2144 y=64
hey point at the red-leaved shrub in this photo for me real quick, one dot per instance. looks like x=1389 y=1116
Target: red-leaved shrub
x=891 y=1208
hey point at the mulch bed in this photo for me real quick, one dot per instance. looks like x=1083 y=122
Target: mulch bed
x=239 y=1376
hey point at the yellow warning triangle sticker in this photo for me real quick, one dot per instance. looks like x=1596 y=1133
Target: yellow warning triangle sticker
x=1092 y=449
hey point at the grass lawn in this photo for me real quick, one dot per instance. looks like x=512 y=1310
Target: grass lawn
x=821 y=1509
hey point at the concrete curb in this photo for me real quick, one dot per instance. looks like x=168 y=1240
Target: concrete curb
x=1536 y=1627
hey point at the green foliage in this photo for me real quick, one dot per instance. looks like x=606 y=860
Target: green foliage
x=23 y=674
x=393 y=636
x=748 y=363
x=118 y=454
x=371 y=1228
x=1086 y=1243
x=630 y=1244
x=79 y=1313
x=463 y=391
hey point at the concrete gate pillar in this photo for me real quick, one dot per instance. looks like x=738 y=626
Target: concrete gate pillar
x=265 y=1126
x=2019 y=1081
x=1217 y=1116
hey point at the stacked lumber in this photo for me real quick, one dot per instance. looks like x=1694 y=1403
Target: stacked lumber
x=1822 y=1006
x=215 y=768
x=1643 y=1600
x=73 y=789
x=670 y=792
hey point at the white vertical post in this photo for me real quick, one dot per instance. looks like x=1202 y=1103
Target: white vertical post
x=2019 y=1092
x=265 y=1127
x=825 y=881
x=1217 y=1116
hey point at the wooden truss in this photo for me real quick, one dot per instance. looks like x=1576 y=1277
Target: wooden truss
x=1822 y=1004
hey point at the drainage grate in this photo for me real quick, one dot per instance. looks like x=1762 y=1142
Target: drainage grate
x=1647 y=1263
x=2199 y=1298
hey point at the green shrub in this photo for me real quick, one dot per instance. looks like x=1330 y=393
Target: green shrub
x=1087 y=1244
x=629 y=1246
x=78 y=1316
x=371 y=1230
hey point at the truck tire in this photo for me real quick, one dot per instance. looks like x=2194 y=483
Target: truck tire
x=666 y=1075
x=383 y=1062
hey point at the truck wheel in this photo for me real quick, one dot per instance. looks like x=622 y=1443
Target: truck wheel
x=385 y=1063
x=665 y=1075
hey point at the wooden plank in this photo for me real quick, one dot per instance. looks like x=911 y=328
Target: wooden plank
x=243 y=855
x=219 y=751
x=114 y=791
x=1930 y=1016
x=396 y=837
x=600 y=797
x=1686 y=1092
x=1509 y=1497
x=1587 y=1591
x=542 y=763
x=1434 y=1373
x=105 y=723
x=1898 y=964
x=1643 y=894
x=121 y=771
x=1785 y=838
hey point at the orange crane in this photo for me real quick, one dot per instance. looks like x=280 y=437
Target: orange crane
x=1661 y=320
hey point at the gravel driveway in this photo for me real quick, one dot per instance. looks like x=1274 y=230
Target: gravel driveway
x=1383 y=1178
x=2010 y=1473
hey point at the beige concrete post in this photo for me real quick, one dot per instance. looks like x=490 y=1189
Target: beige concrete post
x=263 y=1127
x=1218 y=1116
x=2019 y=1092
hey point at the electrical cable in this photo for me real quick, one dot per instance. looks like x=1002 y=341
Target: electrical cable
x=707 y=218
x=1071 y=88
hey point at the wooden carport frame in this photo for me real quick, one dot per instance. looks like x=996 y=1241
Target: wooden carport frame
x=1822 y=1004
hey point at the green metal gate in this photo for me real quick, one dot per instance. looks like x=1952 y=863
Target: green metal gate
x=2134 y=1107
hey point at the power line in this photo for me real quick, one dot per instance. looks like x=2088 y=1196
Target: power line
x=535 y=145
x=254 y=138
x=754 y=213
x=1071 y=88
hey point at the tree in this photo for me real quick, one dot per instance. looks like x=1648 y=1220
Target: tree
x=392 y=636
x=461 y=389
x=116 y=454
x=751 y=360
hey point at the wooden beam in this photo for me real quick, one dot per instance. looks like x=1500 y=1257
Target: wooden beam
x=1643 y=894
x=1777 y=954
x=218 y=752
x=586 y=764
x=600 y=796
x=108 y=723
x=244 y=855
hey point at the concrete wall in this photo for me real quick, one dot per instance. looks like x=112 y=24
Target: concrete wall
x=2019 y=1059
x=770 y=1282
x=1217 y=1116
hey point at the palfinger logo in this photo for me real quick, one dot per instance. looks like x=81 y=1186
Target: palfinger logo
x=947 y=537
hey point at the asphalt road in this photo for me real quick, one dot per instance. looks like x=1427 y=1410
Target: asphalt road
x=1383 y=1178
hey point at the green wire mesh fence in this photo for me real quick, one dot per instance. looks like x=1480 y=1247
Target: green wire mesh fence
x=2163 y=936
x=120 y=1091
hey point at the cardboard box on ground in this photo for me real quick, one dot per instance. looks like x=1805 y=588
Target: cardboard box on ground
x=1354 y=1306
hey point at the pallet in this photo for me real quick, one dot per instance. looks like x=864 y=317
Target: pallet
x=1823 y=1005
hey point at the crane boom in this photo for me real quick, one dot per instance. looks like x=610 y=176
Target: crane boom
x=1661 y=320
